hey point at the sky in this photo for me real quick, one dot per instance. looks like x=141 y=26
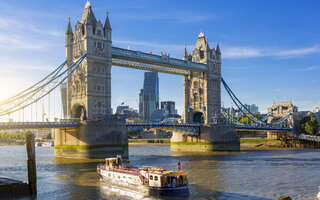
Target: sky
x=270 y=49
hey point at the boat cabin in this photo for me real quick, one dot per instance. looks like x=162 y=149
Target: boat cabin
x=113 y=162
x=171 y=179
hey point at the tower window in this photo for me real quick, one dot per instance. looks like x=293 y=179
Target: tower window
x=99 y=45
x=201 y=54
x=99 y=32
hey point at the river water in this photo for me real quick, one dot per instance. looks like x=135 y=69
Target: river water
x=245 y=175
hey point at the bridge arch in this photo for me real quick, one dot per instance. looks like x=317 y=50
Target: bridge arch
x=198 y=117
x=79 y=111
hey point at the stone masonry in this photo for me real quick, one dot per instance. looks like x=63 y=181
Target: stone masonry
x=202 y=91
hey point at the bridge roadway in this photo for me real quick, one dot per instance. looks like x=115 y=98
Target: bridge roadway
x=37 y=125
x=190 y=128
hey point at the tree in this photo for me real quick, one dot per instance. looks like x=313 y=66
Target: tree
x=309 y=125
x=49 y=137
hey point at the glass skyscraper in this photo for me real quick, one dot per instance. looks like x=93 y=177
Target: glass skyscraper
x=149 y=95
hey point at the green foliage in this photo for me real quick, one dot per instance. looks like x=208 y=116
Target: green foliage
x=49 y=137
x=244 y=119
x=309 y=125
x=13 y=136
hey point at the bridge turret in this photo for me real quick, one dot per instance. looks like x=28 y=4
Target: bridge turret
x=202 y=89
x=107 y=28
x=185 y=53
x=69 y=44
x=218 y=51
x=89 y=88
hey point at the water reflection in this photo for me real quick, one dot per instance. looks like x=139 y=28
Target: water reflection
x=246 y=175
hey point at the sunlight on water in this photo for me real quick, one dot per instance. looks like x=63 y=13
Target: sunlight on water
x=256 y=175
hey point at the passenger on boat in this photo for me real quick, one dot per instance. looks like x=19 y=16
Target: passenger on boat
x=179 y=165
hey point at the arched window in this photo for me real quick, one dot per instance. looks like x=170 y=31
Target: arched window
x=195 y=84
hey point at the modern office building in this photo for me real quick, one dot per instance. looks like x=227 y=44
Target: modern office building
x=169 y=106
x=129 y=113
x=254 y=108
x=63 y=90
x=149 y=95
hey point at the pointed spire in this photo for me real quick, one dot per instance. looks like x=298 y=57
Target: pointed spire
x=218 y=49
x=69 y=29
x=201 y=35
x=207 y=43
x=88 y=15
x=185 y=53
x=107 y=25
x=87 y=4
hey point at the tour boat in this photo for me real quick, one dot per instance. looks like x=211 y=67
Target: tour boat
x=319 y=194
x=147 y=180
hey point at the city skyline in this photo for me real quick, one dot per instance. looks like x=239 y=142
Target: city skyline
x=264 y=60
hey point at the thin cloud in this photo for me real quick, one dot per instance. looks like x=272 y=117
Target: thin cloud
x=307 y=69
x=146 y=46
x=228 y=52
x=254 y=52
x=180 y=17
x=12 y=42
x=11 y=25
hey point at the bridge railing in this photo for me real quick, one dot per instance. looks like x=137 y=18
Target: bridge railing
x=38 y=124
x=309 y=137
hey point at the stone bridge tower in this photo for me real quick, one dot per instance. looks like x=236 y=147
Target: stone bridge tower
x=202 y=91
x=89 y=87
x=280 y=110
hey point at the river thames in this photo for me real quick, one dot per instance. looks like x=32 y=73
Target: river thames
x=244 y=175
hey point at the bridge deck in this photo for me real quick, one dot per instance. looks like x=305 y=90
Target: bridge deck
x=37 y=125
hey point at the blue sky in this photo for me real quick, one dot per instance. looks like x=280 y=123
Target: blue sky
x=270 y=49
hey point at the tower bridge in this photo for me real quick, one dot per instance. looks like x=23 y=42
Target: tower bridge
x=89 y=57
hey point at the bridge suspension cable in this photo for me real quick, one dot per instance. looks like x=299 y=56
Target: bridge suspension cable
x=252 y=117
x=38 y=90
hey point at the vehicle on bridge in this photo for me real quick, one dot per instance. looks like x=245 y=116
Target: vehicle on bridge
x=148 y=180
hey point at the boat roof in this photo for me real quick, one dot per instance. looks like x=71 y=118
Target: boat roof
x=163 y=172
x=111 y=158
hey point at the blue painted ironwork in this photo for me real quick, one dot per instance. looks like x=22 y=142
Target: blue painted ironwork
x=262 y=128
x=227 y=116
x=237 y=102
x=187 y=128
x=37 y=125
x=39 y=90
x=248 y=113
x=149 y=67
x=157 y=63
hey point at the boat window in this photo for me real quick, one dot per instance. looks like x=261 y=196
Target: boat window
x=156 y=178
x=109 y=174
x=151 y=177
x=124 y=177
x=118 y=177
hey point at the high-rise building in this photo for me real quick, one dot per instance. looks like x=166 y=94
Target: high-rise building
x=169 y=106
x=149 y=95
x=129 y=113
x=254 y=108
x=63 y=90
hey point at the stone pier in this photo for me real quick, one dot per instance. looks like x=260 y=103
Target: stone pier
x=99 y=139
x=213 y=137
